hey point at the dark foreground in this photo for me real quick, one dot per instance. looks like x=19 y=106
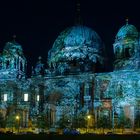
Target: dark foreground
x=69 y=137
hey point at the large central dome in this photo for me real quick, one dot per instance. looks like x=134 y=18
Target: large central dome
x=76 y=47
x=80 y=35
x=76 y=42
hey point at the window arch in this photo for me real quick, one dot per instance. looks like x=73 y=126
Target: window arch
x=7 y=64
x=21 y=67
x=15 y=63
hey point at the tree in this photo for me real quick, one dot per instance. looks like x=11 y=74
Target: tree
x=64 y=122
x=137 y=121
x=2 y=121
x=123 y=122
x=78 y=121
x=42 y=121
x=103 y=122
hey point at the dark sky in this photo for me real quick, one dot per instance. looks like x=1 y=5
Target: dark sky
x=38 y=23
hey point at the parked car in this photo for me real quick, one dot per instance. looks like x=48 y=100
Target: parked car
x=67 y=131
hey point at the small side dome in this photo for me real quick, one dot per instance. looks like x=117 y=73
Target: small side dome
x=126 y=47
x=127 y=30
x=13 y=60
x=13 y=47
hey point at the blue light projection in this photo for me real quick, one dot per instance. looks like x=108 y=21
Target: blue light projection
x=71 y=87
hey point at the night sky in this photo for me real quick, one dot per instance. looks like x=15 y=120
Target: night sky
x=38 y=23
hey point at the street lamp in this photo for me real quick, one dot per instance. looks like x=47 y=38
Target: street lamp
x=88 y=119
x=18 y=119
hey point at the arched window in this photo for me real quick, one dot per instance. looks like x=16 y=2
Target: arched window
x=21 y=67
x=7 y=64
x=117 y=52
x=26 y=97
x=5 y=97
x=127 y=52
x=15 y=63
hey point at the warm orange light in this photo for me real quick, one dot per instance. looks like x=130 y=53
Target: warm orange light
x=88 y=116
x=17 y=117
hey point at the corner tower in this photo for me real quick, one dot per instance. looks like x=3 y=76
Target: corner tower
x=126 y=48
x=13 y=63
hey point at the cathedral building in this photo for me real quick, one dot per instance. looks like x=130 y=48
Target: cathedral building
x=75 y=83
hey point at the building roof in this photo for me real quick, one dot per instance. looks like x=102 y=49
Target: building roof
x=75 y=39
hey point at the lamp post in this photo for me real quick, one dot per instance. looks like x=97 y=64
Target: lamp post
x=88 y=119
x=18 y=120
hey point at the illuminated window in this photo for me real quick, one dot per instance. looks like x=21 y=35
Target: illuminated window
x=5 y=97
x=37 y=97
x=26 y=97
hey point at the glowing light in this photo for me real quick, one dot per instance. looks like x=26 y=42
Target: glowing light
x=26 y=97
x=37 y=97
x=17 y=117
x=5 y=97
x=88 y=116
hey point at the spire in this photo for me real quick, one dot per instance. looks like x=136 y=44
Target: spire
x=14 y=38
x=39 y=58
x=78 y=19
x=126 y=21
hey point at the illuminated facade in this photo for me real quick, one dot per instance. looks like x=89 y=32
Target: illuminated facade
x=75 y=83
